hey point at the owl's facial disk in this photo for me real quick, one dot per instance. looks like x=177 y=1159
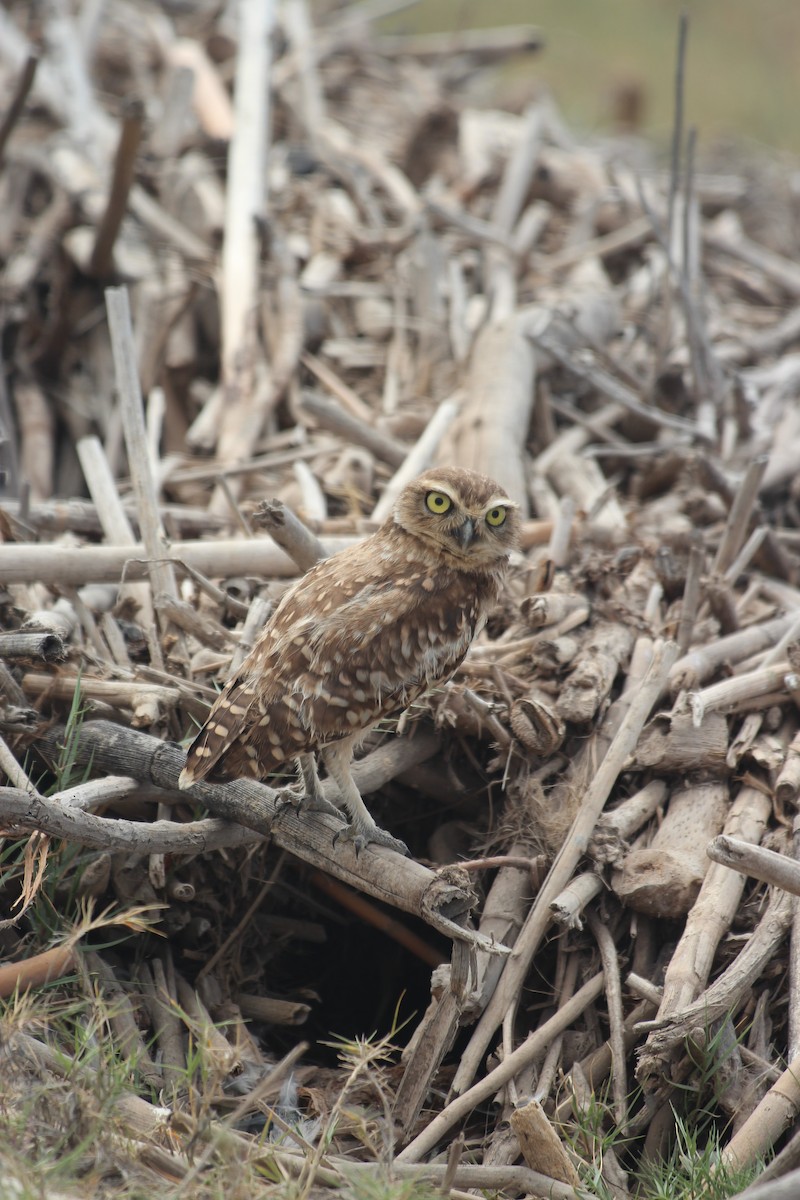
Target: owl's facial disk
x=464 y=514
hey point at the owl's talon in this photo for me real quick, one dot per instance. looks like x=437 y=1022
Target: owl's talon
x=360 y=838
x=303 y=802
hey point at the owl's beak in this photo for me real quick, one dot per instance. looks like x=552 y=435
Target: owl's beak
x=464 y=533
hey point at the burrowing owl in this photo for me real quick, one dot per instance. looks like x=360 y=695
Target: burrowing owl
x=359 y=637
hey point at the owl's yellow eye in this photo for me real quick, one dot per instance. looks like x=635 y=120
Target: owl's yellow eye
x=437 y=502
x=496 y=516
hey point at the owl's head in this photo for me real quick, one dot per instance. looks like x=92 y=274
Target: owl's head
x=463 y=514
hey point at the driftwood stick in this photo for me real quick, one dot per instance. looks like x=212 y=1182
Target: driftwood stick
x=739 y=690
x=404 y=883
x=106 y=564
x=551 y=1062
x=255 y=620
x=162 y=575
x=784 y=271
x=157 y=981
x=285 y=528
x=533 y=1045
x=13 y=771
x=12 y=692
x=330 y=415
x=756 y=861
x=82 y=516
x=101 y=260
x=579 y=892
x=486 y=45
x=736 y=526
x=663 y=877
x=606 y=383
x=114 y=520
x=793 y=980
x=708 y=921
x=691 y=597
x=516 y=181
x=117 y=527
x=776 y=1112
x=44 y=644
x=14 y=111
x=297 y=24
x=782 y=645
x=349 y=399
x=575 y=843
x=245 y=207
x=747 y=553
x=727 y=991
x=610 y=961
x=615 y=826
x=638 y=230
x=122 y=1020
x=483 y=1177
x=489 y=434
x=122 y=693
x=677 y=125
x=704 y=661
x=787 y=785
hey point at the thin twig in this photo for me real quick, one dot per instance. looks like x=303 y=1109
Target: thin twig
x=14 y=112
x=100 y=263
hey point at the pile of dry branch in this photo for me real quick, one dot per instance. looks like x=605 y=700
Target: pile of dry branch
x=264 y=260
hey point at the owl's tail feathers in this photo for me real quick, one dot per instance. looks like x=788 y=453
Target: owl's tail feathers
x=187 y=777
x=203 y=754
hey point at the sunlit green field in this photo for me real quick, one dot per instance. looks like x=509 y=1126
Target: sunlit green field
x=743 y=70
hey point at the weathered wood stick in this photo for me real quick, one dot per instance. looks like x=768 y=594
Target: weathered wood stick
x=708 y=921
x=533 y=1045
x=102 y=256
x=333 y=417
x=379 y=872
x=82 y=516
x=594 y=799
x=487 y=45
x=736 y=526
x=286 y=528
x=703 y=661
x=44 y=644
x=663 y=878
x=14 y=110
x=776 y=1112
x=105 y=564
x=727 y=991
x=738 y=690
x=161 y=572
x=756 y=861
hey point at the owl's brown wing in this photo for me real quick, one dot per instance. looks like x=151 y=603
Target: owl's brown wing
x=380 y=649
x=351 y=642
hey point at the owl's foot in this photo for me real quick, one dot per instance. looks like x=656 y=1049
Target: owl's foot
x=362 y=836
x=303 y=802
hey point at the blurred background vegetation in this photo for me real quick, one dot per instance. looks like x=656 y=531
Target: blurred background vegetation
x=743 y=66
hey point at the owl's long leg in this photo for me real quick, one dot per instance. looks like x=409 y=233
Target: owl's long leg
x=362 y=828
x=310 y=799
x=313 y=788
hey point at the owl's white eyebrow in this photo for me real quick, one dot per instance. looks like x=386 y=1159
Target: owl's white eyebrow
x=502 y=500
x=447 y=489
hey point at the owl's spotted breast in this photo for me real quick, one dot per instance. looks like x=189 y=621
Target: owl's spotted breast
x=346 y=647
